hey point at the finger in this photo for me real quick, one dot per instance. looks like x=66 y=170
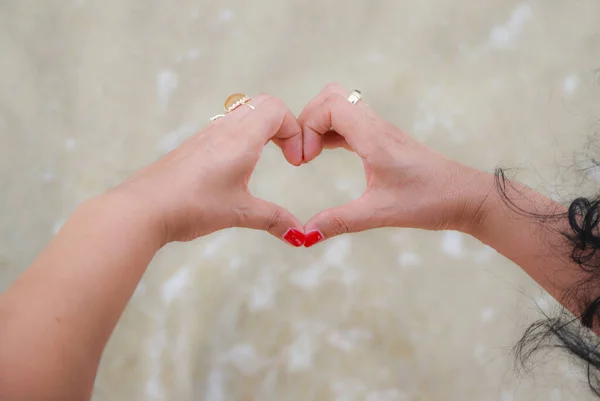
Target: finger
x=313 y=141
x=356 y=216
x=273 y=120
x=234 y=116
x=317 y=120
x=333 y=140
x=258 y=214
x=264 y=118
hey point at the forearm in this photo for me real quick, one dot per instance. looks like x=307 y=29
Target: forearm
x=527 y=228
x=56 y=319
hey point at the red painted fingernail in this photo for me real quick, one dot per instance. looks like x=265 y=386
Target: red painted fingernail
x=312 y=238
x=295 y=237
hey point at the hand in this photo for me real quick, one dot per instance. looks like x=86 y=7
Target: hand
x=408 y=184
x=202 y=186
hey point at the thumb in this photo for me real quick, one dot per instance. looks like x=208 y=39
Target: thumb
x=278 y=221
x=356 y=216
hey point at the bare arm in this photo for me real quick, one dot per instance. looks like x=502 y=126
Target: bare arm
x=527 y=228
x=410 y=185
x=56 y=318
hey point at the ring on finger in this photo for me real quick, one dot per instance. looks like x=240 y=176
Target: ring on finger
x=355 y=96
x=234 y=102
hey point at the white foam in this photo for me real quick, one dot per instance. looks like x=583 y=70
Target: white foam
x=155 y=389
x=174 y=286
x=57 y=226
x=166 y=83
x=543 y=302
x=507 y=395
x=448 y=123
x=226 y=15
x=570 y=84
x=154 y=386
x=556 y=395
x=337 y=250
x=216 y=243
x=452 y=243
x=409 y=259
x=215 y=386
x=392 y=394
x=235 y=263
x=351 y=187
x=192 y=54
x=375 y=57
x=347 y=389
x=300 y=355
x=173 y=139
x=169 y=142
x=503 y=36
x=427 y=123
x=479 y=352
x=140 y=290
x=70 y=144
x=308 y=278
x=262 y=295
x=245 y=359
x=48 y=175
x=347 y=340
x=487 y=314
x=350 y=275
x=485 y=254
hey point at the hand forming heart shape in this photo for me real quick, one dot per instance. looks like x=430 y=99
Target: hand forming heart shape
x=202 y=186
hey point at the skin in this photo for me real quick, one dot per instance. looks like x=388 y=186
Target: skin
x=410 y=185
x=398 y=170
x=77 y=289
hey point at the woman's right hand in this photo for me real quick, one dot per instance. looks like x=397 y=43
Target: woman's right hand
x=202 y=186
x=408 y=184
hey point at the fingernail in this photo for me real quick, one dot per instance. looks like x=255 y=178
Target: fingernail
x=312 y=238
x=295 y=237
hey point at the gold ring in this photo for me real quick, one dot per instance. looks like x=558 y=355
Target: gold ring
x=232 y=103
x=355 y=96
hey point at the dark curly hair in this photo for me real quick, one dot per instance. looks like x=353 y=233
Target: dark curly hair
x=571 y=333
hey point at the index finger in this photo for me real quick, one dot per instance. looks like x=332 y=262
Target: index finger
x=332 y=110
x=271 y=119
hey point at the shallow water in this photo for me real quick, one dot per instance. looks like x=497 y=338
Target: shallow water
x=92 y=90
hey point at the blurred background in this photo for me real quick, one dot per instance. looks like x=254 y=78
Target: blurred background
x=91 y=90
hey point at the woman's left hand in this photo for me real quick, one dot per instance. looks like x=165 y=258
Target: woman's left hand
x=408 y=184
x=202 y=186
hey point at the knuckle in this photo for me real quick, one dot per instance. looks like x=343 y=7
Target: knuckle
x=274 y=219
x=279 y=105
x=275 y=105
x=332 y=99
x=339 y=226
x=334 y=87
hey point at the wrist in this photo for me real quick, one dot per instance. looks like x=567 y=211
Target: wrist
x=125 y=207
x=475 y=201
